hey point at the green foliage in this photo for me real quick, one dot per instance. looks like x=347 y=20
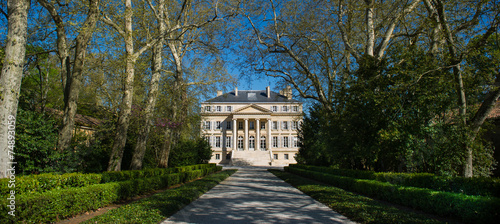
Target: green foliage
x=398 y=115
x=55 y=204
x=160 y=206
x=36 y=136
x=313 y=148
x=189 y=152
x=484 y=186
x=477 y=209
x=356 y=207
x=47 y=181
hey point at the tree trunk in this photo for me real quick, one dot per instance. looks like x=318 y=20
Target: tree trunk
x=140 y=147
x=120 y=139
x=370 y=30
x=10 y=80
x=71 y=78
x=74 y=79
x=457 y=71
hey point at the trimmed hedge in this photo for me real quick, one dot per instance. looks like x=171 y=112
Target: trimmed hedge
x=471 y=186
x=160 y=206
x=356 y=207
x=474 y=209
x=57 y=204
x=46 y=182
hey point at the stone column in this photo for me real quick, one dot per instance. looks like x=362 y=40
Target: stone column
x=235 y=135
x=245 y=139
x=269 y=140
x=257 y=133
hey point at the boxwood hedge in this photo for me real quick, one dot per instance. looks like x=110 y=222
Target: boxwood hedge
x=468 y=208
x=471 y=186
x=46 y=182
x=158 y=207
x=57 y=204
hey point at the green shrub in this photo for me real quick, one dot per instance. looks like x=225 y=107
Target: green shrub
x=469 y=208
x=56 y=204
x=471 y=186
x=189 y=152
x=36 y=135
x=160 y=206
x=357 y=208
x=45 y=182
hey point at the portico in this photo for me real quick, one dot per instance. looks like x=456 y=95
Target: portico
x=255 y=126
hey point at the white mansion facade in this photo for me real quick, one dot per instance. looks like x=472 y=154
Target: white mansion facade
x=252 y=127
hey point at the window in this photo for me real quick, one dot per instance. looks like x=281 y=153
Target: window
x=207 y=125
x=228 y=142
x=218 y=125
x=285 y=125
x=207 y=108
x=295 y=141
x=286 y=156
x=240 y=143
x=285 y=109
x=295 y=124
x=240 y=125
x=218 y=108
x=262 y=125
x=207 y=138
x=295 y=108
x=275 y=142
x=217 y=156
x=229 y=108
x=285 y=141
x=263 y=143
x=274 y=109
x=275 y=125
x=252 y=125
x=217 y=141
x=275 y=156
x=251 y=142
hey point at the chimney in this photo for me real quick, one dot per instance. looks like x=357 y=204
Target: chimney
x=219 y=92
x=268 y=92
x=288 y=92
x=235 y=91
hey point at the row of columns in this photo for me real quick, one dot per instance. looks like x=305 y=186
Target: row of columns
x=246 y=138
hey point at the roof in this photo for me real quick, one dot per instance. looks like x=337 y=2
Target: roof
x=80 y=120
x=251 y=96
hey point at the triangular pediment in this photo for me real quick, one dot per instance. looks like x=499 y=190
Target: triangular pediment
x=252 y=109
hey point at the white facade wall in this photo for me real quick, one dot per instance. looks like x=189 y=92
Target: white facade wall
x=284 y=118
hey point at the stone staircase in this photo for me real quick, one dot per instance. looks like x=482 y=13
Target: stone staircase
x=250 y=158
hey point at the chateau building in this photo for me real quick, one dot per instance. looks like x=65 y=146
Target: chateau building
x=252 y=127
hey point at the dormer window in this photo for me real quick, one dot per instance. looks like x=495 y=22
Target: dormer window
x=252 y=96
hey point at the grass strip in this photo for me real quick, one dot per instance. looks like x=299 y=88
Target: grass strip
x=160 y=206
x=356 y=207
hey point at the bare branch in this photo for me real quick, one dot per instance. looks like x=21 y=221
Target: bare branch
x=390 y=30
x=115 y=26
